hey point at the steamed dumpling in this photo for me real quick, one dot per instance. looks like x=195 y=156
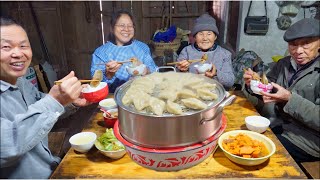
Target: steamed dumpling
x=144 y=83
x=206 y=94
x=130 y=95
x=142 y=102
x=186 y=93
x=194 y=103
x=174 y=108
x=169 y=94
x=204 y=86
x=157 y=106
x=193 y=81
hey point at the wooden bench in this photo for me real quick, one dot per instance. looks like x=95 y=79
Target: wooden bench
x=56 y=141
x=312 y=169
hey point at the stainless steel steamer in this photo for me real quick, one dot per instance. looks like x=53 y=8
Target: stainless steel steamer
x=169 y=130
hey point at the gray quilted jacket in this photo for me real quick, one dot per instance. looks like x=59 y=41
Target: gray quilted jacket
x=300 y=116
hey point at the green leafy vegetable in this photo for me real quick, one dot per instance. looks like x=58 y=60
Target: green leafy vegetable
x=109 y=142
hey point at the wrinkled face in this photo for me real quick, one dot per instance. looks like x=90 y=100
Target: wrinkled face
x=16 y=53
x=205 y=39
x=123 y=30
x=304 y=50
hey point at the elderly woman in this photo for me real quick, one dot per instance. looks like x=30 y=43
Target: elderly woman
x=121 y=47
x=205 y=33
x=294 y=108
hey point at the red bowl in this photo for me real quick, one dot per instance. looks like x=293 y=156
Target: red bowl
x=109 y=122
x=171 y=159
x=96 y=94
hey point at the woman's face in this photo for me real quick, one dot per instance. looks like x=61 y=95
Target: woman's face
x=205 y=39
x=123 y=30
x=304 y=50
x=16 y=53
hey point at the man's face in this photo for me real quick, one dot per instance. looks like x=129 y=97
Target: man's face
x=304 y=50
x=205 y=39
x=16 y=53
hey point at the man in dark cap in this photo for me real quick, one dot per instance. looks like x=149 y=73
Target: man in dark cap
x=205 y=33
x=294 y=105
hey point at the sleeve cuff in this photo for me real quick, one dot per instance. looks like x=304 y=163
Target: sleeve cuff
x=110 y=81
x=52 y=105
x=293 y=103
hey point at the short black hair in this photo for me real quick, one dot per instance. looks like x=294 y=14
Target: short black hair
x=7 y=21
x=114 y=18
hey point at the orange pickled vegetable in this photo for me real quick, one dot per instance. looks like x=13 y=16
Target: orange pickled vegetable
x=242 y=145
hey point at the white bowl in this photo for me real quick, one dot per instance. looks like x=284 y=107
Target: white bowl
x=203 y=68
x=248 y=161
x=83 y=141
x=257 y=86
x=257 y=124
x=111 y=154
x=107 y=104
x=136 y=70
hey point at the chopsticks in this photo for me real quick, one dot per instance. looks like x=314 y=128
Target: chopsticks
x=255 y=75
x=190 y=61
x=82 y=81
x=119 y=62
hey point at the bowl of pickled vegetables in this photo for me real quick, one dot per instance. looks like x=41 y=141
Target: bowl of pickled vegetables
x=108 y=145
x=246 y=147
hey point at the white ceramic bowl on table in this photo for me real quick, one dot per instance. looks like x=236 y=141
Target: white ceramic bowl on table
x=83 y=141
x=171 y=159
x=203 y=68
x=107 y=104
x=136 y=70
x=111 y=154
x=248 y=161
x=257 y=124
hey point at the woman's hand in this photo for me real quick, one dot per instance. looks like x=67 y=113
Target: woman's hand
x=183 y=65
x=248 y=76
x=111 y=68
x=145 y=71
x=282 y=95
x=212 y=72
x=68 y=91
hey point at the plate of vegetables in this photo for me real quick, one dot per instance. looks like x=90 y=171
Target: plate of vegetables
x=109 y=145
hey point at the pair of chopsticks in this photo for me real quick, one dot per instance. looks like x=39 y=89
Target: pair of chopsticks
x=190 y=61
x=263 y=79
x=119 y=62
x=82 y=81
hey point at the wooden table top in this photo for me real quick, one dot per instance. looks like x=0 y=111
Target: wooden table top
x=95 y=165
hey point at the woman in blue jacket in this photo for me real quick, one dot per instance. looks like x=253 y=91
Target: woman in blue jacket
x=121 y=47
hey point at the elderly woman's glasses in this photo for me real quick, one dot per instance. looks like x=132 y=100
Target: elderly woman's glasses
x=123 y=26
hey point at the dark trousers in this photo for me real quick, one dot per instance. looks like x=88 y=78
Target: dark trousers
x=297 y=154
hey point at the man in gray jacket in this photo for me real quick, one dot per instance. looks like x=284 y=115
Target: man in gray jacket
x=28 y=115
x=294 y=105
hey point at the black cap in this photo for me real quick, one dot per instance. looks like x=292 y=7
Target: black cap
x=304 y=28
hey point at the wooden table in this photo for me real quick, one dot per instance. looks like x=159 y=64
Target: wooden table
x=95 y=165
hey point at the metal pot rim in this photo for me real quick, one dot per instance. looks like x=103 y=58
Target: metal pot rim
x=222 y=94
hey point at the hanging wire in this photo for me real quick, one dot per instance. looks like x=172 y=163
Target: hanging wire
x=101 y=19
x=131 y=8
x=19 y=14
